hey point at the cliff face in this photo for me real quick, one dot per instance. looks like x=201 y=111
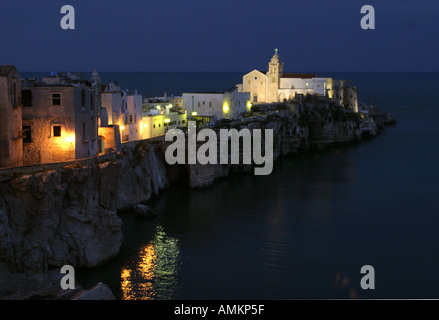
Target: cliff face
x=66 y=213
x=314 y=129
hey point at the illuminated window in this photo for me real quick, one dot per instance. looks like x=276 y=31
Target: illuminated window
x=57 y=131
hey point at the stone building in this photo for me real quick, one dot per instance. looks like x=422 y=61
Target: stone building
x=60 y=120
x=11 y=134
x=275 y=85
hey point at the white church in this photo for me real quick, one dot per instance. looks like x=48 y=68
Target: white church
x=276 y=86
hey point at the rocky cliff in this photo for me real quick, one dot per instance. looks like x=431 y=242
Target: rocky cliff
x=313 y=129
x=67 y=213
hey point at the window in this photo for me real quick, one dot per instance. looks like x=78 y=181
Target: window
x=83 y=132
x=83 y=97
x=57 y=131
x=26 y=98
x=183 y=121
x=56 y=99
x=92 y=102
x=159 y=125
x=255 y=98
x=256 y=78
x=210 y=104
x=198 y=104
x=153 y=126
x=27 y=135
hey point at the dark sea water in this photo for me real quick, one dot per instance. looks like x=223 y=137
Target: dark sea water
x=306 y=230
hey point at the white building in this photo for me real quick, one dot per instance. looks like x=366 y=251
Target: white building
x=276 y=86
x=229 y=104
x=158 y=124
x=111 y=105
x=133 y=127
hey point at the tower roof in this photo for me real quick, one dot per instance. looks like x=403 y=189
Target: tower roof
x=276 y=57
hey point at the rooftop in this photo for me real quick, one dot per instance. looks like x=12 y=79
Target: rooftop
x=5 y=69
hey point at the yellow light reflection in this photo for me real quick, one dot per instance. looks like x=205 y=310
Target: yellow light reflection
x=152 y=274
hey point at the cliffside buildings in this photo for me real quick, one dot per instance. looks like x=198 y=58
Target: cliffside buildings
x=11 y=131
x=276 y=86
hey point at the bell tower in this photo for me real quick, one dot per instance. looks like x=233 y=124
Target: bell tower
x=275 y=71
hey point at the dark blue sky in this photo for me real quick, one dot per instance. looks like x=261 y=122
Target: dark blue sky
x=226 y=35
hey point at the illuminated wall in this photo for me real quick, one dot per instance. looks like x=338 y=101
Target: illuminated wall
x=62 y=122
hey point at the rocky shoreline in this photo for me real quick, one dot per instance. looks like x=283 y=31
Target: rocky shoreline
x=68 y=213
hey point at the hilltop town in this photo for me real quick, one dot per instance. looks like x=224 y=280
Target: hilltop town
x=76 y=154
x=64 y=117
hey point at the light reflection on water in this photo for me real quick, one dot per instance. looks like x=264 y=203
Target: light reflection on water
x=152 y=274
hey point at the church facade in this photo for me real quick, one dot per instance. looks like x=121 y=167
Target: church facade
x=276 y=86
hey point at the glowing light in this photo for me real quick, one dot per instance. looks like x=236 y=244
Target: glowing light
x=122 y=127
x=167 y=120
x=145 y=125
x=194 y=113
x=152 y=274
x=249 y=104
x=158 y=107
x=70 y=138
x=225 y=107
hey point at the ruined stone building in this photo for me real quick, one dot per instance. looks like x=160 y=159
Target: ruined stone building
x=11 y=134
x=60 y=119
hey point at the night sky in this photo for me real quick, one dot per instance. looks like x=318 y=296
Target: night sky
x=226 y=35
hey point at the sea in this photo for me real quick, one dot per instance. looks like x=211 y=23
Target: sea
x=306 y=230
